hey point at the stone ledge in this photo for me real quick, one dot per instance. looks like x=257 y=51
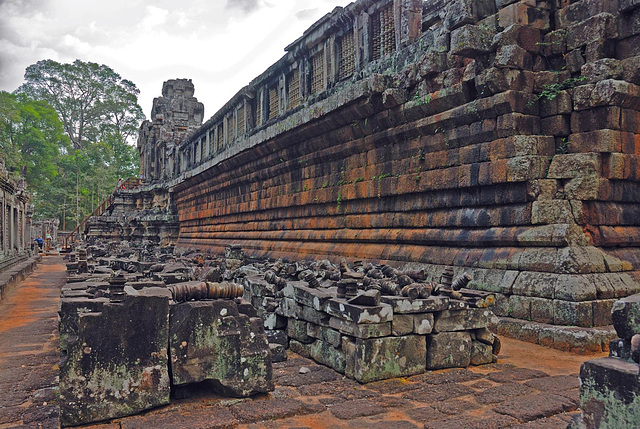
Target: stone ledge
x=566 y=338
x=16 y=273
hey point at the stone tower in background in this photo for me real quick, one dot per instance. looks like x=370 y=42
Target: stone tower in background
x=173 y=117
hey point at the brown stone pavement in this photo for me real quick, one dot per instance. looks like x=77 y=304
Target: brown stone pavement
x=29 y=352
x=530 y=387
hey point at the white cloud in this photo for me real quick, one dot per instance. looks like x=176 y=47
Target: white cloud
x=155 y=17
x=222 y=45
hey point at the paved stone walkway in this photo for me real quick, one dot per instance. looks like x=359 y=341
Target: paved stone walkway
x=29 y=351
x=531 y=386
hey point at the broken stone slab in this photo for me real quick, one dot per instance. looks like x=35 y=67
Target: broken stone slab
x=144 y=284
x=361 y=330
x=314 y=316
x=277 y=337
x=462 y=320
x=172 y=278
x=381 y=358
x=297 y=330
x=303 y=294
x=82 y=293
x=448 y=350
x=620 y=349
x=113 y=369
x=481 y=353
x=257 y=286
x=356 y=313
x=370 y=298
x=210 y=340
x=403 y=305
x=423 y=323
x=273 y=321
x=278 y=352
x=326 y=354
x=402 y=324
x=71 y=308
x=289 y=308
x=625 y=316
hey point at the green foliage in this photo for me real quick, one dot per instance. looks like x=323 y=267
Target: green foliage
x=69 y=130
x=563 y=147
x=32 y=142
x=92 y=100
x=551 y=91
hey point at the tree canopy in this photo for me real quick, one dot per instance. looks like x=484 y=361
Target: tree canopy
x=69 y=131
x=92 y=101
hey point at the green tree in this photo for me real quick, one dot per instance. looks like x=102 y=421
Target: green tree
x=32 y=140
x=91 y=99
x=100 y=115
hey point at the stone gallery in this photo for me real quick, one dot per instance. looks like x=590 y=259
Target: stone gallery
x=405 y=173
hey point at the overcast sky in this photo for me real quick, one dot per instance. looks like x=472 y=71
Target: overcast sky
x=221 y=45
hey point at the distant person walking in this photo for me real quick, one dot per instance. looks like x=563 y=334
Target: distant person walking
x=40 y=242
x=47 y=239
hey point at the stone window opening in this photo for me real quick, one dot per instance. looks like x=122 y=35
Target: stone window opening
x=346 y=56
x=220 y=140
x=293 y=89
x=383 y=32
x=259 y=109
x=317 y=73
x=273 y=102
x=241 y=120
x=212 y=141
x=230 y=128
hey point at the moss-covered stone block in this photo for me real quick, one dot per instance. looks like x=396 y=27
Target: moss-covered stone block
x=211 y=340
x=381 y=358
x=610 y=394
x=115 y=364
x=449 y=350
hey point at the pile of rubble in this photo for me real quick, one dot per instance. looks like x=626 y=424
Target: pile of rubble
x=226 y=319
x=134 y=330
x=372 y=322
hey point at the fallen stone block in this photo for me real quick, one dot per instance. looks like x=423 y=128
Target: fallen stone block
x=360 y=314
x=610 y=393
x=402 y=324
x=481 y=353
x=361 y=330
x=404 y=305
x=625 y=316
x=329 y=335
x=462 y=320
x=380 y=358
x=423 y=323
x=104 y=375
x=448 y=350
x=211 y=340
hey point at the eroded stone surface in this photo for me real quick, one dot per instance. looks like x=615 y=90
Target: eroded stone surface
x=210 y=340
x=117 y=364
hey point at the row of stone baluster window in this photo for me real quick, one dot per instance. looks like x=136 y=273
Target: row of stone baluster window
x=331 y=61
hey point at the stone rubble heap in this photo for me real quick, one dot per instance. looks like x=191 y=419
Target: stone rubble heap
x=129 y=340
x=372 y=322
x=125 y=305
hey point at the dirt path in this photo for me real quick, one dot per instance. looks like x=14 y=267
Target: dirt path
x=29 y=351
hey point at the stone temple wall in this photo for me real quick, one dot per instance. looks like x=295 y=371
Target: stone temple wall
x=498 y=137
